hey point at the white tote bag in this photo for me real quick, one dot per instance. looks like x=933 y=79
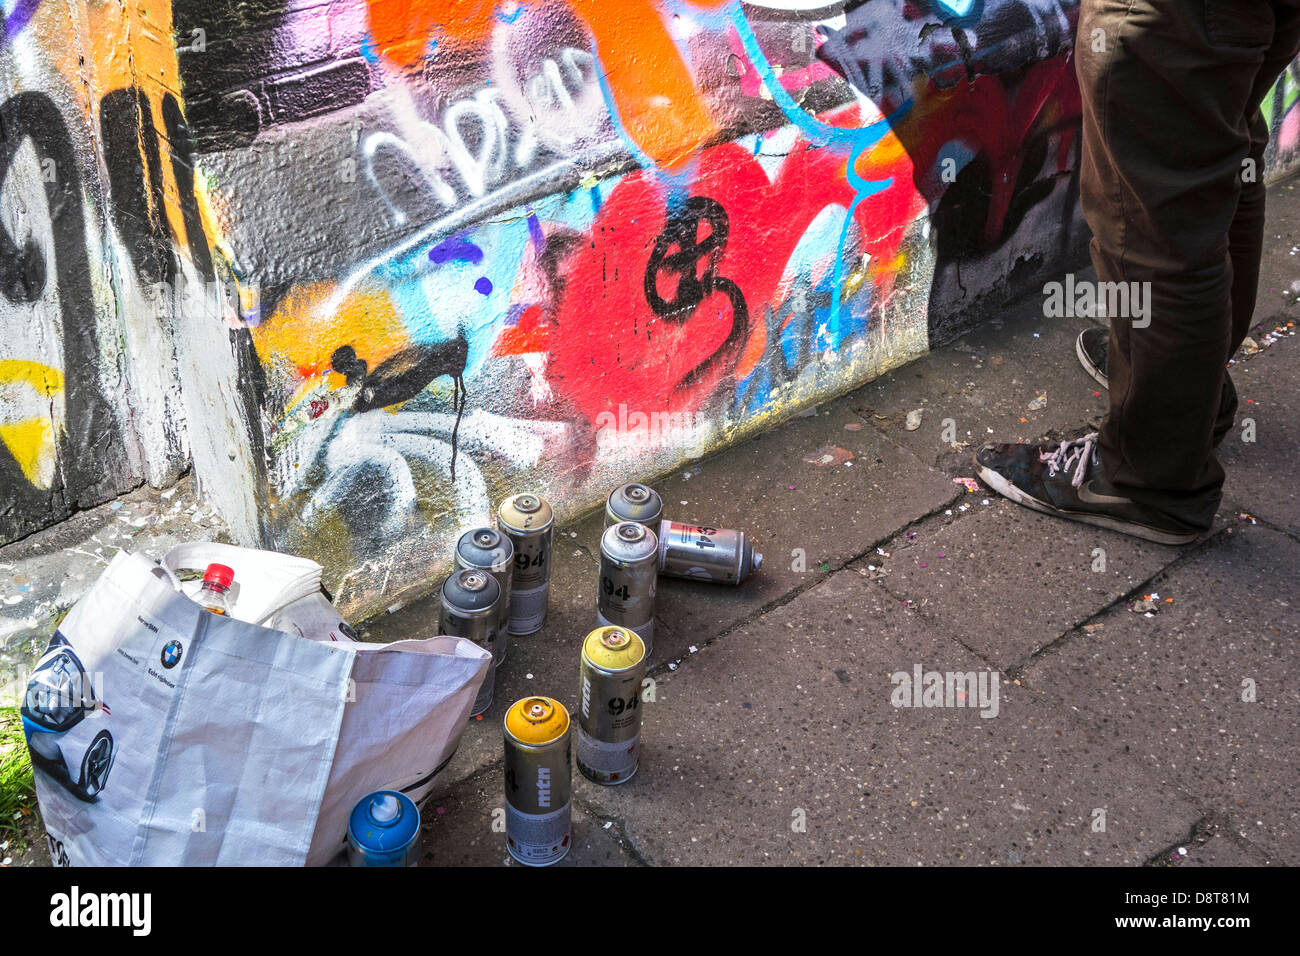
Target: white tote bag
x=162 y=734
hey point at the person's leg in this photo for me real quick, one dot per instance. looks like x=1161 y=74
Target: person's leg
x=1169 y=93
x=1165 y=100
x=1246 y=237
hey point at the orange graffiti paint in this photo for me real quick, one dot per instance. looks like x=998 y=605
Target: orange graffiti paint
x=128 y=44
x=404 y=30
x=529 y=336
x=753 y=353
x=654 y=93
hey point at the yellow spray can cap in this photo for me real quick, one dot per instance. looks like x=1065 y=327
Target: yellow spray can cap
x=613 y=648
x=537 y=720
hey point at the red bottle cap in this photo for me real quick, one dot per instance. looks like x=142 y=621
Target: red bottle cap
x=218 y=574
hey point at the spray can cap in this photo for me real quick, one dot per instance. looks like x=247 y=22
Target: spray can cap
x=383 y=823
x=219 y=574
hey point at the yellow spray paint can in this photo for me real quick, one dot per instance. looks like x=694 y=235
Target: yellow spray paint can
x=539 y=783
x=609 y=704
x=526 y=520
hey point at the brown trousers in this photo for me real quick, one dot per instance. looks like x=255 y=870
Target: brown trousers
x=1172 y=188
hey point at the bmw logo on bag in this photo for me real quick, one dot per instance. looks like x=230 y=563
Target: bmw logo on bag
x=171 y=654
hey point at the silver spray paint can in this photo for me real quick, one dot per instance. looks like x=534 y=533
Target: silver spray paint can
x=704 y=553
x=526 y=520
x=634 y=502
x=489 y=550
x=538 y=781
x=470 y=602
x=629 y=576
x=609 y=704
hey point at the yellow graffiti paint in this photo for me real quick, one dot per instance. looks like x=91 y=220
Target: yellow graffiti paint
x=31 y=442
x=305 y=336
x=30 y=439
x=45 y=380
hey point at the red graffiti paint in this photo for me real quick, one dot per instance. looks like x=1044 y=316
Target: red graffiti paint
x=612 y=347
x=989 y=117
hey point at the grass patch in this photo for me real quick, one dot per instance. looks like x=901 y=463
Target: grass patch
x=17 y=787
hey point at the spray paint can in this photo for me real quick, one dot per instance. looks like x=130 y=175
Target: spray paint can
x=609 y=708
x=634 y=502
x=539 y=784
x=702 y=553
x=526 y=520
x=470 y=602
x=629 y=576
x=384 y=830
x=489 y=550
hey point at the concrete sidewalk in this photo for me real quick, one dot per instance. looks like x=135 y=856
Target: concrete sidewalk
x=1121 y=735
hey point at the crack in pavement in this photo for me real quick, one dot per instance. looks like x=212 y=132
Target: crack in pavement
x=1018 y=670
x=1200 y=834
x=615 y=827
x=795 y=592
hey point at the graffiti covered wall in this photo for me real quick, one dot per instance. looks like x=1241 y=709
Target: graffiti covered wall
x=114 y=340
x=444 y=251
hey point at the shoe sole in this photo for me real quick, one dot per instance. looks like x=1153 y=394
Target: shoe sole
x=1088 y=365
x=1146 y=532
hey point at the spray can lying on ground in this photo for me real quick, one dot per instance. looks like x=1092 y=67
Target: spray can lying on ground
x=609 y=708
x=489 y=550
x=470 y=602
x=702 y=553
x=629 y=574
x=526 y=520
x=539 y=781
x=634 y=502
x=686 y=550
x=384 y=830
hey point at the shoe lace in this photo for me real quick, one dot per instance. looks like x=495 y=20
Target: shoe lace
x=1075 y=453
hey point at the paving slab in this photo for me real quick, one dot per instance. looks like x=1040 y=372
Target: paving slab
x=1007 y=581
x=464 y=827
x=1173 y=684
x=1011 y=379
x=780 y=744
x=833 y=513
x=1217 y=851
x=814 y=493
x=1260 y=473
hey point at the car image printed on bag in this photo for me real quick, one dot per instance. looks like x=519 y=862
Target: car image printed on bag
x=60 y=696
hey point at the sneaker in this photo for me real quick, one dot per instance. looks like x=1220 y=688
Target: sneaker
x=1066 y=480
x=1091 y=349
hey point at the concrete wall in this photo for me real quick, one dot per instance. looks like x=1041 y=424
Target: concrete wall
x=371 y=265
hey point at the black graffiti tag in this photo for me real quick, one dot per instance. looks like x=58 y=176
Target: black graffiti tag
x=682 y=253
x=91 y=453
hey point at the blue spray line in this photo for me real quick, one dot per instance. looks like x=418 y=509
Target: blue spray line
x=858 y=141
x=644 y=161
x=676 y=184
